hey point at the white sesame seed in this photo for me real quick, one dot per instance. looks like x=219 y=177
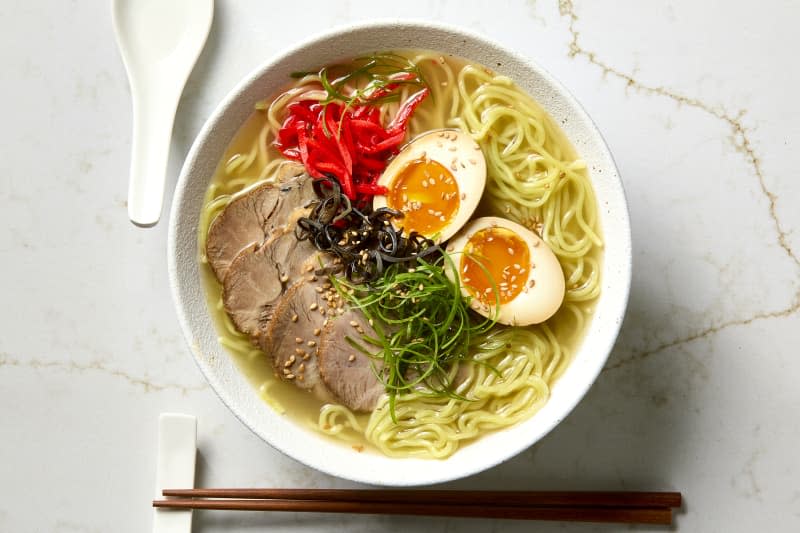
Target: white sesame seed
x=298 y=340
x=351 y=358
x=313 y=306
x=294 y=318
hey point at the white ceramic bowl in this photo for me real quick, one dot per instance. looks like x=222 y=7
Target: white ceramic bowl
x=280 y=431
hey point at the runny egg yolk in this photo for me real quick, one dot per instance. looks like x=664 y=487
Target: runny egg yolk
x=495 y=258
x=427 y=194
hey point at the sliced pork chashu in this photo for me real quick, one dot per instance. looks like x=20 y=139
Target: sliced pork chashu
x=292 y=336
x=251 y=217
x=259 y=275
x=346 y=371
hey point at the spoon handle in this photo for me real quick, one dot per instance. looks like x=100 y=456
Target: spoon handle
x=153 y=117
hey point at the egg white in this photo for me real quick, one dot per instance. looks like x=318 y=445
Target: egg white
x=544 y=288
x=457 y=152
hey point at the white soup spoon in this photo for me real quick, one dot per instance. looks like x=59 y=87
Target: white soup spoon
x=160 y=41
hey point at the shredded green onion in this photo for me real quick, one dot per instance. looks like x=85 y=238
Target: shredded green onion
x=372 y=73
x=422 y=323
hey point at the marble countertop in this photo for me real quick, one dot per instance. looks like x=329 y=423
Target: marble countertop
x=698 y=104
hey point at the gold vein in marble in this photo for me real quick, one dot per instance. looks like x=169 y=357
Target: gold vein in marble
x=764 y=315
x=740 y=138
x=742 y=144
x=71 y=366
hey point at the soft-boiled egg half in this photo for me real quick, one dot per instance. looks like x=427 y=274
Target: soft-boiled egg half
x=502 y=262
x=436 y=181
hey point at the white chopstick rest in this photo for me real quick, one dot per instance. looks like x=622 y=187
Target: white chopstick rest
x=177 y=449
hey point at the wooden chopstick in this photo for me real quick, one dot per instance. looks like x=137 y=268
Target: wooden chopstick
x=455 y=497
x=619 y=507
x=628 y=515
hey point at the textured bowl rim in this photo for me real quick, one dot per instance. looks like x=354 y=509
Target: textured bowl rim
x=317 y=451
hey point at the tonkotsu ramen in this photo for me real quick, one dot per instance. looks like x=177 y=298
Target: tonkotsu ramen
x=401 y=250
